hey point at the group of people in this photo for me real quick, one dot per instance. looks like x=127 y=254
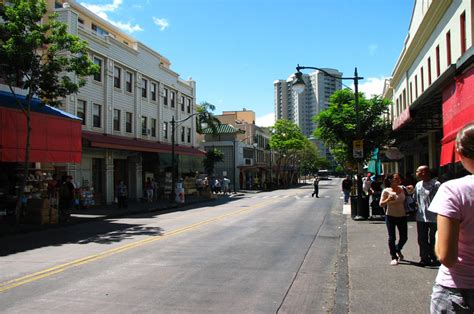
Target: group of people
x=217 y=185
x=445 y=227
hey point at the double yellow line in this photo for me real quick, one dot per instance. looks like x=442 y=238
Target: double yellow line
x=10 y=284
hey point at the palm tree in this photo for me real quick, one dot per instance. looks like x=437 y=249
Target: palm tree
x=205 y=116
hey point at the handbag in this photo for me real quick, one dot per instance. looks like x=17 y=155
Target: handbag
x=410 y=204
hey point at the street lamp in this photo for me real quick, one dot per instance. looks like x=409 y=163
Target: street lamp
x=299 y=86
x=174 y=169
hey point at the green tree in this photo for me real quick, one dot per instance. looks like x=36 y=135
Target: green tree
x=212 y=156
x=337 y=125
x=39 y=56
x=205 y=116
x=287 y=140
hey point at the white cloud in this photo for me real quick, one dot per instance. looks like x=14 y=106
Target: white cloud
x=372 y=86
x=373 y=49
x=162 y=23
x=266 y=120
x=102 y=9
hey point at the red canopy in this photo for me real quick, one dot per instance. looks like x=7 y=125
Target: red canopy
x=126 y=143
x=458 y=110
x=53 y=138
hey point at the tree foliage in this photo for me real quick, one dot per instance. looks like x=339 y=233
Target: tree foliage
x=205 y=116
x=212 y=156
x=40 y=57
x=337 y=125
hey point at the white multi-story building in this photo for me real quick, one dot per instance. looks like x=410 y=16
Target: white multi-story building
x=127 y=109
x=301 y=108
x=432 y=84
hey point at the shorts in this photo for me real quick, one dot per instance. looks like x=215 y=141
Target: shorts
x=451 y=300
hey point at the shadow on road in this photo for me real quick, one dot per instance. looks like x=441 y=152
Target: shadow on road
x=93 y=229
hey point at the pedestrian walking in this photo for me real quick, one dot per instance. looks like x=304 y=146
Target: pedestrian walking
x=66 y=198
x=225 y=185
x=366 y=181
x=122 y=193
x=315 y=187
x=425 y=190
x=346 y=188
x=453 y=291
x=149 y=190
x=393 y=198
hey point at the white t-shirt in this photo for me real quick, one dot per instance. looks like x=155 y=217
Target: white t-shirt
x=455 y=199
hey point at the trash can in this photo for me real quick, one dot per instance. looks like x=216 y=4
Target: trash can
x=360 y=213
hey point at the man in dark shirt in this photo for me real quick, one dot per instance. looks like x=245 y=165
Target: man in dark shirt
x=346 y=188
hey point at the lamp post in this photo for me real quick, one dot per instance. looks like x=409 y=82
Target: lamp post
x=299 y=86
x=174 y=167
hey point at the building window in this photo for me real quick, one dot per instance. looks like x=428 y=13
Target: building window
x=116 y=120
x=422 y=80
x=172 y=98
x=98 y=76
x=448 y=48
x=429 y=71
x=416 y=86
x=438 y=63
x=81 y=111
x=404 y=99
x=128 y=81
x=165 y=97
x=117 y=77
x=99 y=30
x=183 y=130
x=182 y=103
x=165 y=130
x=411 y=93
x=153 y=91
x=188 y=105
x=128 y=122
x=144 y=124
x=462 y=24
x=144 y=88
x=153 y=127
x=97 y=116
x=189 y=135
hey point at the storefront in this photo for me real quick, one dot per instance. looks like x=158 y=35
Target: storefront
x=107 y=159
x=55 y=141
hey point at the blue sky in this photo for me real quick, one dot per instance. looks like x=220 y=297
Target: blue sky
x=236 y=49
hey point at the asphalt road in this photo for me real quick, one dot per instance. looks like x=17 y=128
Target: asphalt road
x=279 y=251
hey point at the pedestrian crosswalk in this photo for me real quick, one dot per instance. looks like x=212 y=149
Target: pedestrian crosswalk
x=283 y=196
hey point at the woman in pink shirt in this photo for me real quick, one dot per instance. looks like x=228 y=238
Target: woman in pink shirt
x=453 y=291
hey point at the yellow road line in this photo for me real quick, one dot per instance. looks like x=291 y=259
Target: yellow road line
x=10 y=284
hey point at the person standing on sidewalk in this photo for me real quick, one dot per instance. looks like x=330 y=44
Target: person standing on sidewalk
x=346 y=188
x=453 y=291
x=122 y=194
x=393 y=198
x=315 y=187
x=425 y=191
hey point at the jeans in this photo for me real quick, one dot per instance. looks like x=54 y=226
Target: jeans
x=346 y=195
x=315 y=191
x=401 y=224
x=426 y=240
x=451 y=300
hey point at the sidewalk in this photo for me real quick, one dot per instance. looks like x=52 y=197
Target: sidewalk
x=374 y=285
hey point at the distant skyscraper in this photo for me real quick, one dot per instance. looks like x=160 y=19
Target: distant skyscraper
x=301 y=108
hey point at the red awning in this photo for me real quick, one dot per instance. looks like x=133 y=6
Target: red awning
x=120 y=142
x=53 y=138
x=458 y=110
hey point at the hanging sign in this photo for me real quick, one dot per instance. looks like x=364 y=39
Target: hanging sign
x=358 y=148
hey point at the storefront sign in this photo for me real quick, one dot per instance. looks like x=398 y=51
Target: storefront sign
x=358 y=148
